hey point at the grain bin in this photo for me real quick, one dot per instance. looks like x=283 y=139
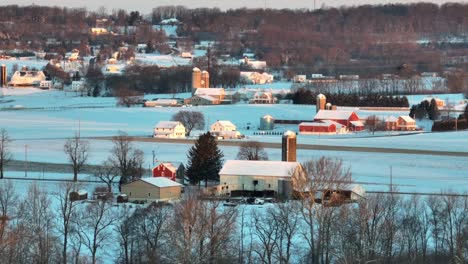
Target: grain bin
x=267 y=122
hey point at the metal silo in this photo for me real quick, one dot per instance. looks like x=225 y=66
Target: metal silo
x=205 y=79
x=267 y=123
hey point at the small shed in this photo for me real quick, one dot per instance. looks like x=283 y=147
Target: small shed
x=152 y=189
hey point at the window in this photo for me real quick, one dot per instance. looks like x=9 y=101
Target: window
x=130 y=194
x=149 y=194
x=269 y=185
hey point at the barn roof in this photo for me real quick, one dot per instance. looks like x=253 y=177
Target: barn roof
x=225 y=123
x=161 y=182
x=172 y=166
x=407 y=118
x=209 y=91
x=357 y=123
x=333 y=114
x=390 y=119
x=321 y=123
x=259 y=168
x=167 y=124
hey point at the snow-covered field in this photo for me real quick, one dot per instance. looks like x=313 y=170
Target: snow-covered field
x=43 y=132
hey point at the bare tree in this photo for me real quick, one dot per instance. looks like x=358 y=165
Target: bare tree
x=190 y=119
x=94 y=226
x=67 y=209
x=127 y=97
x=77 y=151
x=128 y=160
x=373 y=123
x=5 y=154
x=252 y=150
x=107 y=173
x=8 y=202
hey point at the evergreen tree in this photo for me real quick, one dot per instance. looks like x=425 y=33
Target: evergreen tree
x=433 y=112
x=204 y=160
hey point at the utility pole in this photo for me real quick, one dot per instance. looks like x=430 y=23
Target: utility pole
x=391 y=180
x=154 y=156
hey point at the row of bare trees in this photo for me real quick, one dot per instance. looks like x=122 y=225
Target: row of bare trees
x=49 y=227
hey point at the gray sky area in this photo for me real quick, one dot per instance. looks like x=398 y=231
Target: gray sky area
x=145 y=6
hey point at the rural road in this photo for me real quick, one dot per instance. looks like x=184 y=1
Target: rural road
x=308 y=146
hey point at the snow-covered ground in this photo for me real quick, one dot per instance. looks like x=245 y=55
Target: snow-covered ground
x=43 y=132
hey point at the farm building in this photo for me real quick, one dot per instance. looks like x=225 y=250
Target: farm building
x=169 y=129
x=342 y=195
x=319 y=127
x=224 y=129
x=391 y=123
x=406 y=123
x=439 y=102
x=162 y=102
x=349 y=119
x=256 y=77
x=170 y=170
x=263 y=98
x=248 y=177
x=208 y=96
x=27 y=78
x=152 y=189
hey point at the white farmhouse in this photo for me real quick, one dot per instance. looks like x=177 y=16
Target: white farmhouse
x=224 y=129
x=243 y=177
x=169 y=129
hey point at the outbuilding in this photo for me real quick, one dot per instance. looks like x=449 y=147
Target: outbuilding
x=321 y=127
x=347 y=118
x=152 y=189
x=170 y=170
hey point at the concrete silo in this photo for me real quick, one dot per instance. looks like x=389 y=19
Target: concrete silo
x=328 y=106
x=267 y=122
x=288 y=146
x=3 y=76
x=196 y=79
x=321 y=101
x=205 y=79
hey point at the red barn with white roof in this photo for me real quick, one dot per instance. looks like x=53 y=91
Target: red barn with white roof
x=166 y=169
x=346 y=118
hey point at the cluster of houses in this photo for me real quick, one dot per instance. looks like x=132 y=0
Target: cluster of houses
x=244 y=178
x=221 y=129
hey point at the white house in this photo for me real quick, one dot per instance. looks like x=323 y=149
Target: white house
x=263 y=98
x=256 y=78
x=169 y=129
x=242 y=177
x=224 y=129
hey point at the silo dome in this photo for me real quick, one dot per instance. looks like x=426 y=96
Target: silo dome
x=267 y=122
x=289 y=133
x=196 y=69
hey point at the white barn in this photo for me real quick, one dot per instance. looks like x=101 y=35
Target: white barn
x=169 y=129
x=244 y=176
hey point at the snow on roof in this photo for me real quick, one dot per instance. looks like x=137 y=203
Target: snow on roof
x=209 y=91
x=333 y=114
x=172 y=166
x=167 y=124
x=407 y=118
x=161 y=182
x=225 y=123
x=166 y=101
x=357 y=123
x=259 y=168
x=321 y=123
x=267 y=117
x=207 y=97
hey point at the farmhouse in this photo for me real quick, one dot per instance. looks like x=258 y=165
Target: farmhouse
x=152 y=189
x=349 y=119
x=224 y=129
x=406 y=123
x=263 y=98
x=169 y=129
x=269 y=178
x=321 y=127
x=162 y=102
x=170 y=170
x=256 y=77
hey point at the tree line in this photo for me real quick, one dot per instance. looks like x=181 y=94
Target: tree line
x=306 y=96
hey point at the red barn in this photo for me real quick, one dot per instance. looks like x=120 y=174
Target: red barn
x=325 y=126
x=346 y=118
x=169 y=170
